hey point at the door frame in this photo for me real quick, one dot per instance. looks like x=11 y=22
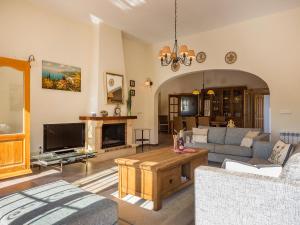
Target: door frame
x=24 y=167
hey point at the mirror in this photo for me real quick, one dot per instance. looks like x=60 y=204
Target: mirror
x=11 y=100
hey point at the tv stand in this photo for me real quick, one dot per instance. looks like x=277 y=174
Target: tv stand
x=62 y=158
x=65 y=152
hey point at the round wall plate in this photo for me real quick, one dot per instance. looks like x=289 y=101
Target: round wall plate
x=201 y=57
x=230 y=57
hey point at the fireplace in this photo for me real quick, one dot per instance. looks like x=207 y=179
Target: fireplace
x=113 y=135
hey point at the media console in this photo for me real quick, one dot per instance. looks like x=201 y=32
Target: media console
x=62 y=158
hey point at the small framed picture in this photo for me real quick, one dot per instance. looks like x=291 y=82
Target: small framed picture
x=132 y=83
x=132 y=92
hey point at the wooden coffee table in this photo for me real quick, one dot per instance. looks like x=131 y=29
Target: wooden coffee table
x=157 y=174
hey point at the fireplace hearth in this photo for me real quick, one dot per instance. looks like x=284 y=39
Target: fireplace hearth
x=113 y=135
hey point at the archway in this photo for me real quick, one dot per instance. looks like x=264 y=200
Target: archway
x=248 y=97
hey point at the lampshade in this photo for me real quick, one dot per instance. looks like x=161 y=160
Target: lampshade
x=183 y=50
x=210 y=92
x=166 y=50
x=160 y=55
x=191 y=54
x=196 y=92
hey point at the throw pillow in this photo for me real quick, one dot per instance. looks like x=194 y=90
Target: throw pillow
x=248 y=139
x=280 y=153
x=263 y=170
x=199 y=135
x=291 y=170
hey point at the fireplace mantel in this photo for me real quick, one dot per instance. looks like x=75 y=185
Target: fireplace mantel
x=97 y=118
x=94 y=126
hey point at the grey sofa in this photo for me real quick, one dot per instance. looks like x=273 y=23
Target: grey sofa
x=225 y=142
x=58 y=203
x=226 y=197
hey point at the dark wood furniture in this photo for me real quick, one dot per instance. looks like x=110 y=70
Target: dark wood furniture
x=106 y=117
x=228 y=102
x=155 y=175
x=163 y=123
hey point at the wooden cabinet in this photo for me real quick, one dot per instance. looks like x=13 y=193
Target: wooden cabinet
x=227 y=102
x=14 y=118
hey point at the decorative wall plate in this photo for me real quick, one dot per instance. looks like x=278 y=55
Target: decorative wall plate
x=201 y=57
x=230 y=57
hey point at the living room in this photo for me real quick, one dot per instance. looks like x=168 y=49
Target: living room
x=120 y=69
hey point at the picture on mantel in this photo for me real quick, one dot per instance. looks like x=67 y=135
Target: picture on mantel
x=114 y=88
x=61 y=77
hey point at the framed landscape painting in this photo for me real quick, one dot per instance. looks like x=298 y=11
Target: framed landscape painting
x=61 y=77
x=114 y=88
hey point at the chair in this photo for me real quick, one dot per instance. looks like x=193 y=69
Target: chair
x=177 y=124
x=220 y=118
x=163 y=123
x=190 y=122
x=203 y=121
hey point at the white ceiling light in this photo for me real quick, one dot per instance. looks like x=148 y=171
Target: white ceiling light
x=95 y=19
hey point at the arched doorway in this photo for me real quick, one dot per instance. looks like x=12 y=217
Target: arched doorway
x=239 y=96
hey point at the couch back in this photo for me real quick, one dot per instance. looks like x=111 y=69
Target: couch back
x=228 y=136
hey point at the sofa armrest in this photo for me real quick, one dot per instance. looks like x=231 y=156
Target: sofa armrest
x=262 y=137
x=262 y=149
x=226 y=197
x=187 y=133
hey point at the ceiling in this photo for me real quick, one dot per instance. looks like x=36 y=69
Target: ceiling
x=153 y=20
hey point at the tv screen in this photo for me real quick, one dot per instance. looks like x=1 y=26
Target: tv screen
x=189 y=105
x=63 y=136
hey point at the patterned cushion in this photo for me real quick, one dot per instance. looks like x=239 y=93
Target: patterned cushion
x=280 y=153
x=291 y=170
x=199 y=135
x=216 y=135
x=234 y=136
x=248 y=139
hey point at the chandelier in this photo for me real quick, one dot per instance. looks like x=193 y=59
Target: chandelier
x=178 y=56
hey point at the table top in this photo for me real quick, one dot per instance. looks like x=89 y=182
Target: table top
x=160 y=159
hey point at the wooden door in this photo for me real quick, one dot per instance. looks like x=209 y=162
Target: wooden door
x=14 y=117
x=258 y=111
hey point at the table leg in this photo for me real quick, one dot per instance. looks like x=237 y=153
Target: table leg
x=157 y=201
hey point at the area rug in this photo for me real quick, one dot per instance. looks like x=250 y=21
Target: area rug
x=178 y=209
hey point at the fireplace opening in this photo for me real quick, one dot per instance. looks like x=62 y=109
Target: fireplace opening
x=113 y=135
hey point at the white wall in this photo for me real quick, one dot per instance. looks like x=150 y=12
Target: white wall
x=138 y=58
x=267 y=47
x=214 y=78
x=28 y=29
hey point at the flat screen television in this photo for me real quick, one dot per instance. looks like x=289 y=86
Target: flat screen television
x=189 y=105
x=63 y=136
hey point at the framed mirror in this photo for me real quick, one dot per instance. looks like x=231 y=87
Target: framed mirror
x=114 y=85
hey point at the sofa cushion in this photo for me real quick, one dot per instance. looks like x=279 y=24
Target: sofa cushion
x=216 y=135
x=57 y=203
x=210 y=147
x=291 y=170
x=280 y=153
x=233 y=150
x=263 y=170
x=234 y=136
